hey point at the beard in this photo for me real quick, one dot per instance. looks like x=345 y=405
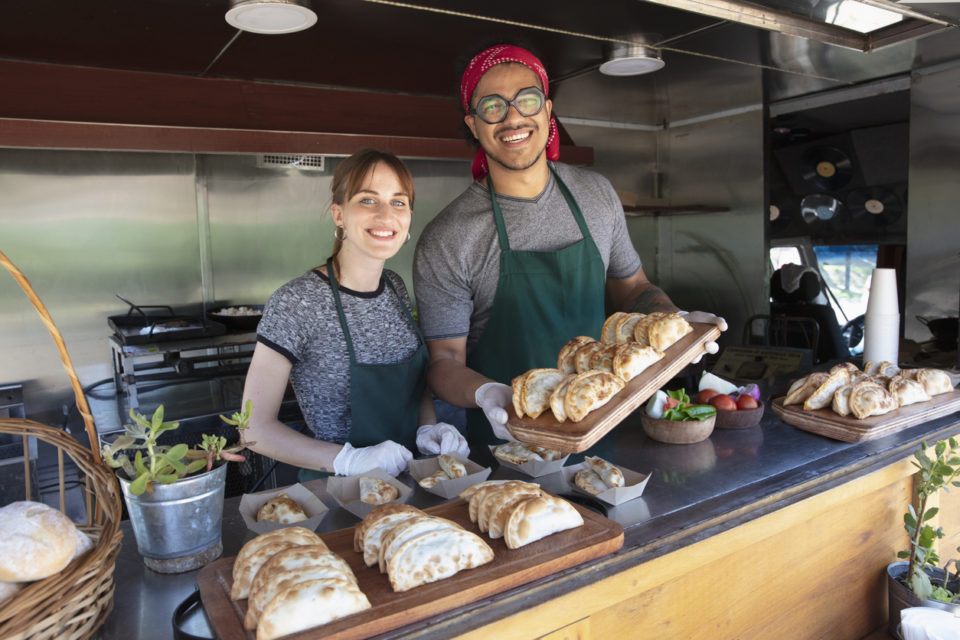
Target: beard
x=513 y=162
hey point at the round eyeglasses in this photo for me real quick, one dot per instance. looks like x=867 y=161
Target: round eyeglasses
x=493 y=109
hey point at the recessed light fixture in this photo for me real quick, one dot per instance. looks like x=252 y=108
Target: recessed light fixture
x=271 y=16
x=631 y=60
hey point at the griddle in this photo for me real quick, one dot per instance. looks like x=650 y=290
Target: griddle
x=163 y=324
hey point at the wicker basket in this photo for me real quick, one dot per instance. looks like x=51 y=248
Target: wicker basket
x=72 y=604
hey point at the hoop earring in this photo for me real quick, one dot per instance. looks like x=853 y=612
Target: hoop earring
x=408 y=238
x=338 y=234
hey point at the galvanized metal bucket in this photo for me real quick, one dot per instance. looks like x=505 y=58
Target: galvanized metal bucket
x=899 y=597
x=178 y=525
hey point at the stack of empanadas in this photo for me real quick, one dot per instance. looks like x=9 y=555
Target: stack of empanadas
x=598 y=475
x=520 y=512
x=590 y=372
x=570 y=396
x=450 y=468
x=520 y=453
x=414 y=548
x=878 y=389
x=292 y=581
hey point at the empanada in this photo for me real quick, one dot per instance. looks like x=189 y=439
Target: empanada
x=433 y=479
x=377 y=491
x=632 y=359
x=602 y=359
x=625 y=327
x=581 y=359
x=451 y=466
x=375 y=514
x=906 y=391
x=282 y=509
x=515 y=453
x=373 y=535
x=494 y=500
x=841 y=400
x=823 y=395
x=243 y=566
x=608 y=335
x=870 y=399
x=538 y=518
x=589 y=391
x=436 y=555
x=934 y=381
x=667 y=331
x=643 y=325
x=609 y=473
x=800 y=391
x=517 y=384
x=503 y=509
x=557 y=398
x=309 y=604
x=588 y=480
x=407 y=530
x=537 y=387
x=565 y=360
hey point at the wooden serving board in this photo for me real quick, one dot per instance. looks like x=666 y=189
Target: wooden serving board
x=849 y=429
x=574 y=437
x=510 y=568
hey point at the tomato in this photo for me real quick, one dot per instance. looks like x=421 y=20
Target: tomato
x=746 y=402
x=723 y=402
x=704 y=395
x=670 y=403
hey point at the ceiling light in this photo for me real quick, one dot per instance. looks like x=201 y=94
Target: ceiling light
x=631 y=60
x=271 y=16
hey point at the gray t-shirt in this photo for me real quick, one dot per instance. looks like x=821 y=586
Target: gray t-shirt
x=300 y=322
x=457 y=260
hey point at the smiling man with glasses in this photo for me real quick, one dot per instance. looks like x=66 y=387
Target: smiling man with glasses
x=523 y=260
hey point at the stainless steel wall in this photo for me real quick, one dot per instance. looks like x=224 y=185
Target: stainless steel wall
x=933 y=227
x=158 y=229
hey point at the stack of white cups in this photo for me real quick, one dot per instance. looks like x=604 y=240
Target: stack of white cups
x=881 y=332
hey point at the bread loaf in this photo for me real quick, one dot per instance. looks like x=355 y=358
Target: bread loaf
x=36 y=541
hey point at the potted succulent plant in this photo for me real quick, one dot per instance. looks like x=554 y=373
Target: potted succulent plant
x=174 y=494
x=918 y=580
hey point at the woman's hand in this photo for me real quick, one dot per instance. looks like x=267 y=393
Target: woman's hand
x=492 y=397
x=440 y=438
x=388 y=455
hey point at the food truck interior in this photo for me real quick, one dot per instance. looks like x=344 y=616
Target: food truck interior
x=152 y=153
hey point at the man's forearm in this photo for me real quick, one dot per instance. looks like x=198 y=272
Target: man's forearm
x=649 y=299
x=453 y=382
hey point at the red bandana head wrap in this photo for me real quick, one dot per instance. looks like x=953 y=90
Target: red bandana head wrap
x=482 y=63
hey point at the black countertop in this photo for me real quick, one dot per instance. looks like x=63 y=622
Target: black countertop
x=694 y=491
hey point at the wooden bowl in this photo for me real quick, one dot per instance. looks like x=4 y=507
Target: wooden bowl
x=739 y=419
x=677 y=431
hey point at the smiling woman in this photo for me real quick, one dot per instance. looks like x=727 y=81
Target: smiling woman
x=344 y=336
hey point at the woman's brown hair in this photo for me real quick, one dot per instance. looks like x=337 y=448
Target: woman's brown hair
x=349 y=176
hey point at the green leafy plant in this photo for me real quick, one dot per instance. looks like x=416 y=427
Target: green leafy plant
x=153 y=462
x=683 y=410
x=934 y=472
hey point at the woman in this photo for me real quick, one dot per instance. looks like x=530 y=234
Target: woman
x=343 y=334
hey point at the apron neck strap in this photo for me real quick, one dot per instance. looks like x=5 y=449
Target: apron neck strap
x=564 y=190
x=335 y=288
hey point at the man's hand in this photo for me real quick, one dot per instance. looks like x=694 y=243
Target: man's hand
x=492 y=397
x=440 y=438
x=388 y=455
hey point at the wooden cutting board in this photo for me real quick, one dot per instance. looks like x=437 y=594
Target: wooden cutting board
x=574 y=437
x=597 y=537
x=849 y=429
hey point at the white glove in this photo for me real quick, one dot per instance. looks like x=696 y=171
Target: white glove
x=492 y=397
x=441 y=438
x=388 y=455
x=706 y=318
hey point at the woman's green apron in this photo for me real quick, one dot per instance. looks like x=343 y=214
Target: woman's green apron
x=543 y=299
x=384 y=398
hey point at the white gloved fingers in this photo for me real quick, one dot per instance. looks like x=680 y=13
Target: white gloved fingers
x=708 y=347
x=493 y=394
x=388 y=455
x=448 y=442
x=705 y=317
x=427 y=441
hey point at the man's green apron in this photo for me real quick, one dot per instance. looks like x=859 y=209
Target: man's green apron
x=543 y=299
x=384 y=398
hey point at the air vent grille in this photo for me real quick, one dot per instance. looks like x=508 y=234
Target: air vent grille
x=304 y=162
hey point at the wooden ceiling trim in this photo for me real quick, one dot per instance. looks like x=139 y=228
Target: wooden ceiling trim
x=47 y=134
x=156 y=110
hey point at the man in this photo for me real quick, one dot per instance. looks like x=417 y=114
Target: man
x=522 y=260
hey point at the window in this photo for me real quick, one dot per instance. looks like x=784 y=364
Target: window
x=846 y=269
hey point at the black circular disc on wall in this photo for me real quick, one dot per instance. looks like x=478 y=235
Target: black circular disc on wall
x=826 y=168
